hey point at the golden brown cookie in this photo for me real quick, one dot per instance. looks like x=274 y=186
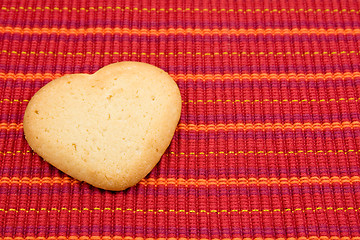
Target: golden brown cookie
x=108 y=129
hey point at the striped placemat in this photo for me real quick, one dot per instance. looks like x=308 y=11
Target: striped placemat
x=269 y=138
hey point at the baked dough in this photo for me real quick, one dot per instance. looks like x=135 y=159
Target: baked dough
x=108 y=129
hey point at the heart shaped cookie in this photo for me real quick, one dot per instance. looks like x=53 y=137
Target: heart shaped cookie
x=108 y=129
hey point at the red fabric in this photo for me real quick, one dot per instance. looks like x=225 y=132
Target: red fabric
x=268 y=142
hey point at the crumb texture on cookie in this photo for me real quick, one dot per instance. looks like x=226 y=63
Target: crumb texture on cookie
x=109 y=128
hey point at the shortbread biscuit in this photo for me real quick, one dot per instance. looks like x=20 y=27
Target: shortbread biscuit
x=108 y=129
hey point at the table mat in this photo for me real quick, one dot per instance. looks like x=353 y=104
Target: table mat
x=267 y=146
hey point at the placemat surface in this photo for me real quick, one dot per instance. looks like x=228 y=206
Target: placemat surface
x=268 y=142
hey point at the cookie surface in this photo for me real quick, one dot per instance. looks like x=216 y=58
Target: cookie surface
x=108 y=129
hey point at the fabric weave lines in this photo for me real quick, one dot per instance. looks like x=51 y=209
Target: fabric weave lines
x=269 y=138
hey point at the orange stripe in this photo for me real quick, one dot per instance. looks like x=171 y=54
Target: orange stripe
x=31 y=76
x=211 y=77
x=178 y=9
x=267 y=126
x=179 y=31
x=250 y=181
x=257 y=76
x=198 y=182
x=171 y=238
x=240 y=126
x=36 y=180
x=37 y=76
x=11 y=126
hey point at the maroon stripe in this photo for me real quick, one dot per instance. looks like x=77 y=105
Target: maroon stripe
x=230 y=165
x=128 y=229
x=64 y=65
x=231 y=117
x=341 y=41
x=173 y=20
x=83 y=46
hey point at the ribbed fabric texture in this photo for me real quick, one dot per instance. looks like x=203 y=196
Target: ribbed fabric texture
x=269 y=138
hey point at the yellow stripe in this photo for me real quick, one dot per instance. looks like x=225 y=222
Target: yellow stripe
x=224 y=101
x=219 y=153
x=213 y=77
x=21 y=101
x=175 y=54
x=191 y=10
x=181 y=31
x=270 y=101
x=197 y=182
x=241 y=126
x=16 y=152
x=264 y=153
x=180 y=211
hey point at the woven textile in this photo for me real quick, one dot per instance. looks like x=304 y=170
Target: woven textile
x=269 y=138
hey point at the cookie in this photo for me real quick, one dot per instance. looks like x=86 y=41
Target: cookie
x=108 y=129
